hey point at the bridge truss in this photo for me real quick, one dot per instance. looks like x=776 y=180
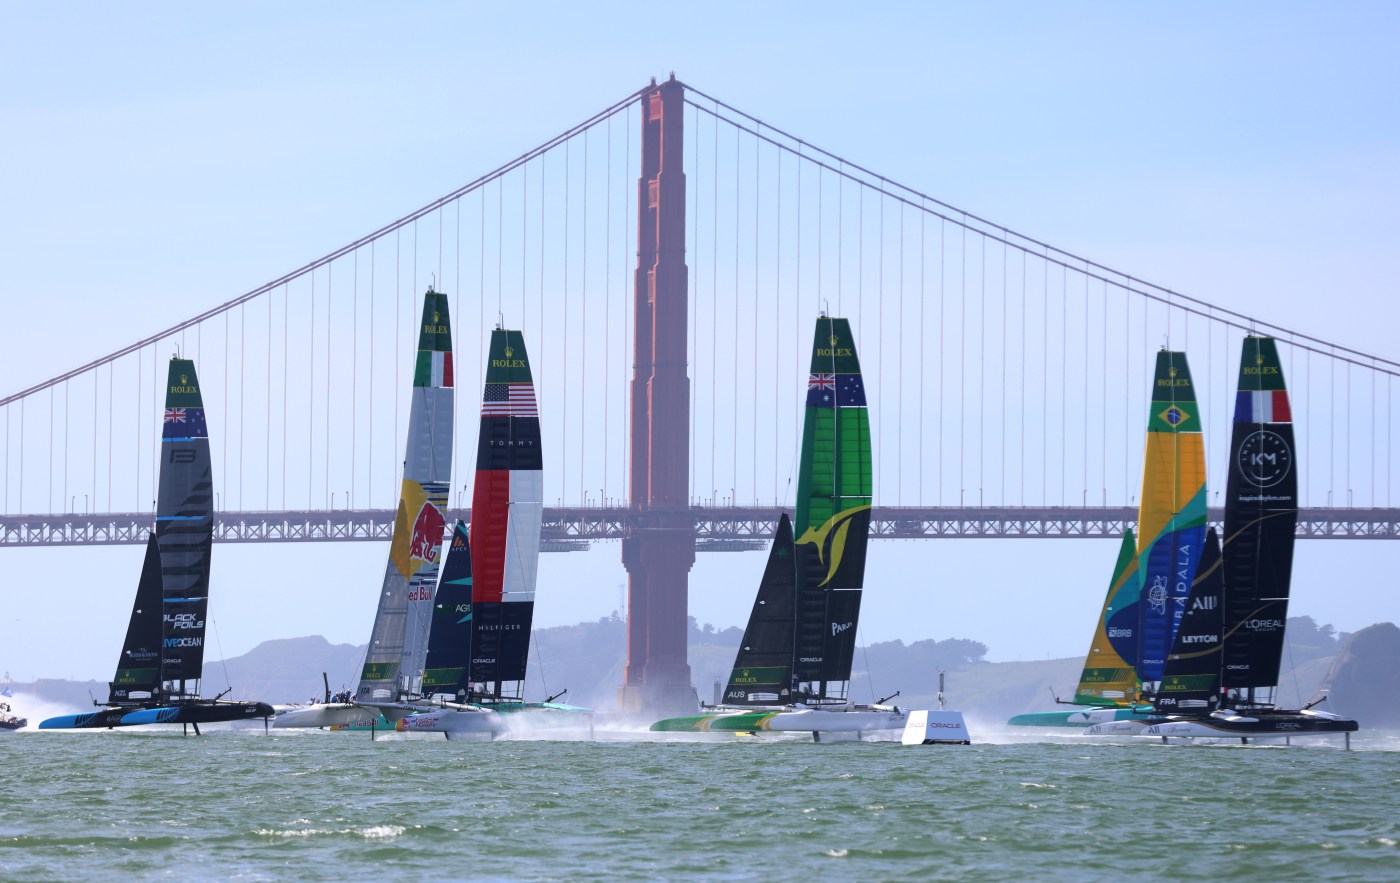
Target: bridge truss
x=717 y=529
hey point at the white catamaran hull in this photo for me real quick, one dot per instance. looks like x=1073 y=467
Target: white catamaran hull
x=855 y=722
x=452 y=722
x=864 y=722
x=333 y=714
x=1121 y=728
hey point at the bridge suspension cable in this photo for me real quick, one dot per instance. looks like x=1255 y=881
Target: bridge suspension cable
x=1003 y=372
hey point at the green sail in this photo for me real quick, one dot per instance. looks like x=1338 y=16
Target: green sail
x=832 y=527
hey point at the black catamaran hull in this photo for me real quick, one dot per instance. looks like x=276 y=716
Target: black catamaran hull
x=1263 y=723
x=204 y=712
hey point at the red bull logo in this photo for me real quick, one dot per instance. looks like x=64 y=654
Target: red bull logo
x=427 y=534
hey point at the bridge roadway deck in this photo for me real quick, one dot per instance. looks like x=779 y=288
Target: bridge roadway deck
x=718 y=529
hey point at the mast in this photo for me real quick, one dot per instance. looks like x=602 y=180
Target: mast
x=833 y=515
x=1172 y=515
x=1261 y=520
x=507 y=511
x=184 y=531
x=398 y=641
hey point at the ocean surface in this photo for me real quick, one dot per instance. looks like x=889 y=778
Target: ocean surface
x=239 y=804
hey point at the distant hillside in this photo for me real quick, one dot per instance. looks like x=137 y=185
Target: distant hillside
x=1364 y=679
x=1362 y=671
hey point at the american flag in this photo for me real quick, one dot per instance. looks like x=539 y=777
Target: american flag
x=174 y=415
x=509 y=400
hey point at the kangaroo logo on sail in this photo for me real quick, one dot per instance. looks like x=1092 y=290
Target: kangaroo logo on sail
x=830 y=539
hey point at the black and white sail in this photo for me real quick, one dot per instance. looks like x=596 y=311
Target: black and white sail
x=1261 y=520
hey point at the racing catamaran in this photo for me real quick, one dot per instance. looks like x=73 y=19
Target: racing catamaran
x=390 y=682
x=1223 y=683
x=793 y=668
x=479 y=645
x=158 y=675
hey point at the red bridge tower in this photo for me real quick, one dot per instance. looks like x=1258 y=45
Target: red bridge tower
x=659 y=548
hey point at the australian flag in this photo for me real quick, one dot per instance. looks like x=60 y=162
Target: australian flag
x=184 y=423
x=850 y=391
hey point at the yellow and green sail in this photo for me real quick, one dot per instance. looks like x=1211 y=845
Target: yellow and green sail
x=1172 y=513
x=1109 y=678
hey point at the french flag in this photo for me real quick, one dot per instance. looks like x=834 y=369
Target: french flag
x=1262 y=406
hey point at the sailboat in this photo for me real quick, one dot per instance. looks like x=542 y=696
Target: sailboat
x=1227 y=686
x=480 y=640
x=158 y=675
x=390 y=682
x=1152 y=580
x=793 y=667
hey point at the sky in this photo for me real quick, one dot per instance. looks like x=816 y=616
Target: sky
x=170 y=157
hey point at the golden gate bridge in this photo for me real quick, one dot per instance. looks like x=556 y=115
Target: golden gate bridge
x=666 y=256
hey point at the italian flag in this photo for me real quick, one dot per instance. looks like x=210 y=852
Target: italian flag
x=433 y=369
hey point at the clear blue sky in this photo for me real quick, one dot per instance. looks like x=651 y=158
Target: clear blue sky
x=158 y=159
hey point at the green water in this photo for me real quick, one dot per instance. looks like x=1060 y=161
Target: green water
x=336 y=806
